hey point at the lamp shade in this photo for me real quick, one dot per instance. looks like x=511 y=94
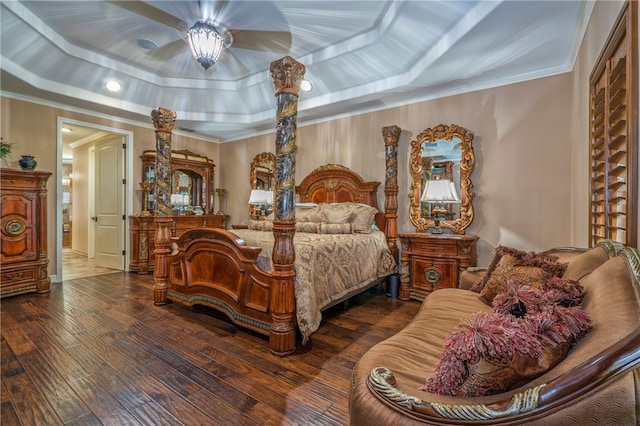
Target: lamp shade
x=440 y=191
x=205 y=42
x=261 y=197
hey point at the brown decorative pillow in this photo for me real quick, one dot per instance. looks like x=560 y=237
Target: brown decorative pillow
x=489 y=376
x=509 y=263
x=484 y=355
x=336 y=228
x=491 y=353
x=561 y=291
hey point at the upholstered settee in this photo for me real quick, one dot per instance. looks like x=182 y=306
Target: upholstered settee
x=597 y=382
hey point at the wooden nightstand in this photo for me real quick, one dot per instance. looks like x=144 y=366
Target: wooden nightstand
x=432 y=261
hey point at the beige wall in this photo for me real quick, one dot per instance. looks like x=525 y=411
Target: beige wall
x=32 y=128
x=531 y=145
x=522 y=177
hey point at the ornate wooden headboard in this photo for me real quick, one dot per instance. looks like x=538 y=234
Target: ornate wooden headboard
x=333 y=183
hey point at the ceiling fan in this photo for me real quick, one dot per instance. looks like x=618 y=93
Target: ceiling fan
x=208 y=30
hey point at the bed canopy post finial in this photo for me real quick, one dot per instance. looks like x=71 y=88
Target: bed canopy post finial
x=391 y=135
x=163 y=121
x=287 y=74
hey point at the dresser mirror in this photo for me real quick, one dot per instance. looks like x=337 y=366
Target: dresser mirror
x=192 y=177
x=190 y=185
x=262 y=179
x=441 y=160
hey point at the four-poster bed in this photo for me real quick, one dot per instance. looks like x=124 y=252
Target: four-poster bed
x=217 y=268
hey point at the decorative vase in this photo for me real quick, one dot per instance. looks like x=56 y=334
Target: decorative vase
x=27 y=162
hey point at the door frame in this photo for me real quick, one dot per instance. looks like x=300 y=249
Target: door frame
x=128 y=188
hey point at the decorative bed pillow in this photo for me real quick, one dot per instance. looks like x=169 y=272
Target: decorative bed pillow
x=336 y=228
x=362 y=218
x=314 y=215
x=509 y=263
x=256 y=225
x=337 y=213
x=261 y=225
x=311 y=227
x=303 y=209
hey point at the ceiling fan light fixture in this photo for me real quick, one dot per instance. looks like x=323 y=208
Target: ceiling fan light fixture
x=205 y=42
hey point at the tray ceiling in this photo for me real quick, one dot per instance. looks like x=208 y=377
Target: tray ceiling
x=360 y=56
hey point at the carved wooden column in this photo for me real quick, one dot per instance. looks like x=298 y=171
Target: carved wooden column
x=391 y=136
x=287 y=74
x=163 y=120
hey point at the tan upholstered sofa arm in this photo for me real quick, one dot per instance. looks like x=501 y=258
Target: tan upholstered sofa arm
x=470 y=275
x=526 y=406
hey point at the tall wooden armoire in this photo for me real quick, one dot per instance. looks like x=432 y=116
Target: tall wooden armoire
x=23 y=227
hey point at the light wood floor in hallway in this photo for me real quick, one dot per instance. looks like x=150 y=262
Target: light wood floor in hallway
x=75 y=265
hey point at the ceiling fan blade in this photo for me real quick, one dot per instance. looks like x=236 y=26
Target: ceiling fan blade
x=219 y=7
x=231 y=60
x=275 y=41
x=212 y=9
x=144 y=9
x=168 y=51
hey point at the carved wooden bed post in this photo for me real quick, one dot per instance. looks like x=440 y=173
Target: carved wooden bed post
x=391 y=136
x=163 y=120
x=287 y=74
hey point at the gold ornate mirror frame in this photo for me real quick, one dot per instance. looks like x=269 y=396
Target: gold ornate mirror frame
x=467 y=163
x=264 y=158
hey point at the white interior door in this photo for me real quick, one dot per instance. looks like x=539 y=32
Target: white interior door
x=109 y=244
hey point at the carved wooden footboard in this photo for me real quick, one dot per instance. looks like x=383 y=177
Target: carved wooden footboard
x=214 y=267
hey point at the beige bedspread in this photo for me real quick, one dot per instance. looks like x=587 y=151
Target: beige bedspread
x=328 y=267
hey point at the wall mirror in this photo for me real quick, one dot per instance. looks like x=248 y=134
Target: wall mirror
x=441 y=160
x=189 y=183
x=192 y=178
x=262 y=179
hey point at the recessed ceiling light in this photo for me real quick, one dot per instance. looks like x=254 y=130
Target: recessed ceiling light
x=306 y=86
x=145 y=43
x=66 y=130
x=113 y=86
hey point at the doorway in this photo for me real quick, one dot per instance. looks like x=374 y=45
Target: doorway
x=94 y=199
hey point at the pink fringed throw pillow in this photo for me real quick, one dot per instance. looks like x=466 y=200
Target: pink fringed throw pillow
x=529 y=332
x=481 y=356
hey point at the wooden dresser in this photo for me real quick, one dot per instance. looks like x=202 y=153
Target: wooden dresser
x=143 y=233
x=23 y=246
x=432 y=261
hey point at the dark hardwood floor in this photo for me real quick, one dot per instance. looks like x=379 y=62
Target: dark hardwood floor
x=97 y=351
